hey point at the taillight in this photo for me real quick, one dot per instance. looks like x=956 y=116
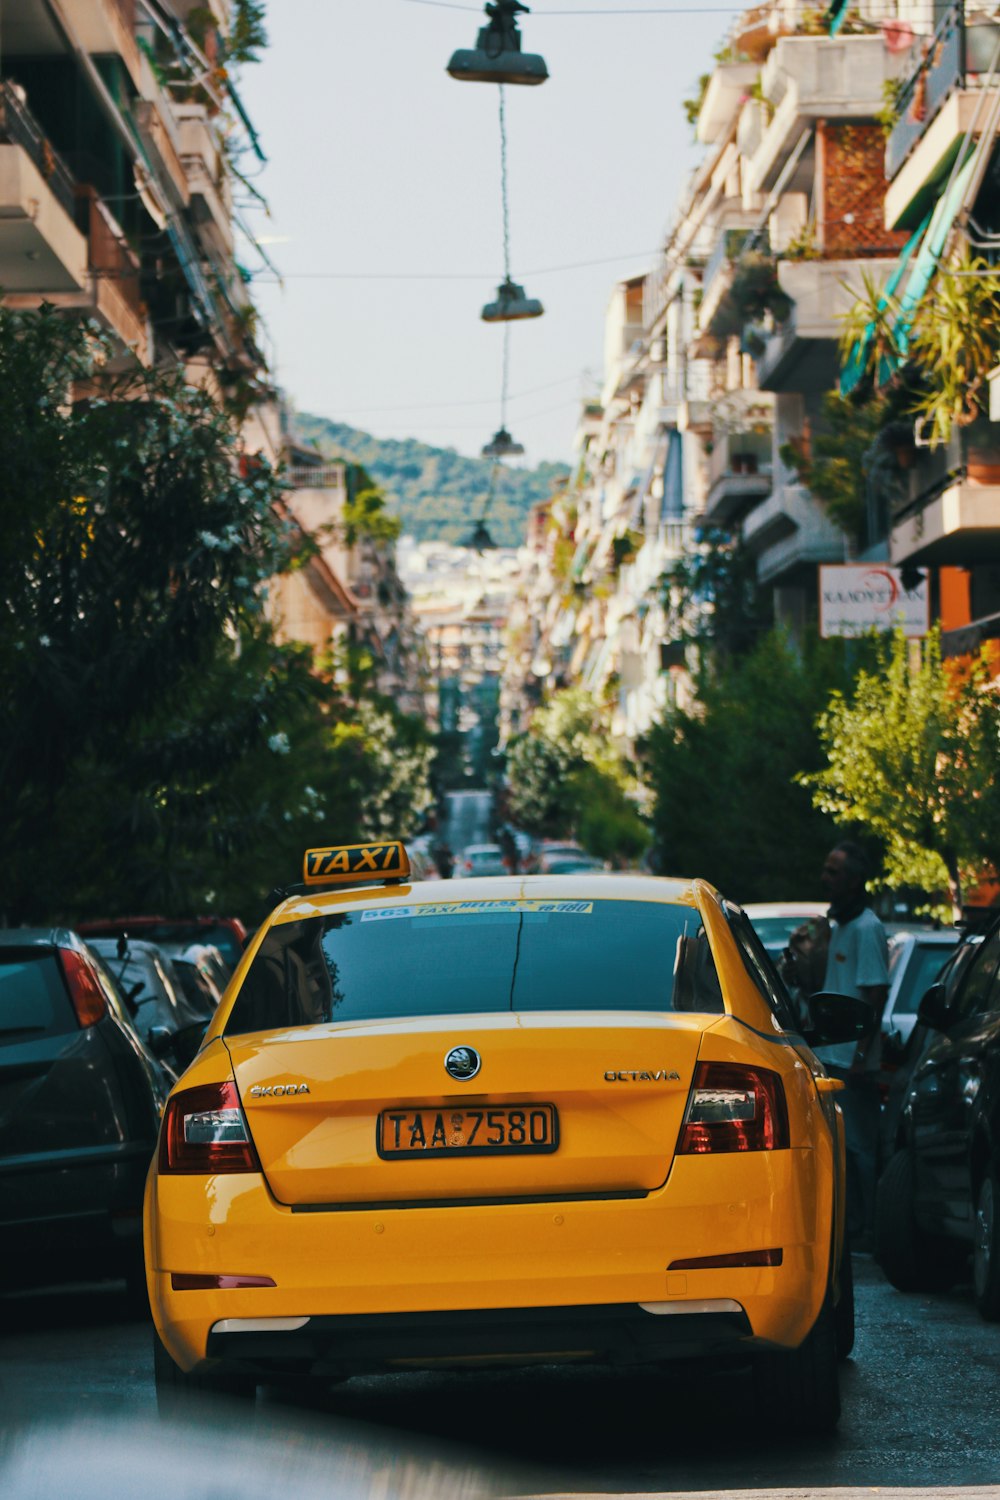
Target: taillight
x=734 y=1108
x=89 y=1000
x=204 y=1132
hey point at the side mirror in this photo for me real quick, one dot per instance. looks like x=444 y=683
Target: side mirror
x=180 y=1045
x=933 y=1008
x=832 y=1019
x=160 y=1040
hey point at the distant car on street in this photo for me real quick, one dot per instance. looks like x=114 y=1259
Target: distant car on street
x=574 y=864
x=80 y=1102
x=775 y=921
x=483 y=859
x=916 y=958
x=565 y=857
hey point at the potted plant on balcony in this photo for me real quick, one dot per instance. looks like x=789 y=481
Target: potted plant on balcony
x=754 y=293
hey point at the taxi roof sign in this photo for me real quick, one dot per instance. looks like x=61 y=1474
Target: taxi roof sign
x=349 y=864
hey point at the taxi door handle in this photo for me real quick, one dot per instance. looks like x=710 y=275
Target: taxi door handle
x=830 y=1085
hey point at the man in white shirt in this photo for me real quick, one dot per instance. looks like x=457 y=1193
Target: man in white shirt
x=858 y=965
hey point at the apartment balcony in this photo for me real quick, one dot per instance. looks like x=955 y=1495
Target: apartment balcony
x=939 y=105
x=739 y=475
x=162 y=145
x=41 y=249
x=717 y=277
x=727 y=88
x=318 y=477
x=951 y=515
x=106 y=28
x=205 y=171
x=808 y=79
x=789 y=531
x=801 y=354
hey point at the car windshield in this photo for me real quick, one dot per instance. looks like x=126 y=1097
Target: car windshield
x=456 y=958
x=926 y=962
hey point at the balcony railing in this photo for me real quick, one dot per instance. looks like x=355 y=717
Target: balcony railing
x=957 y=56
x=742 y=455
x=324 y=477
x=18 y=127
x=109 y=256
x=726 y=249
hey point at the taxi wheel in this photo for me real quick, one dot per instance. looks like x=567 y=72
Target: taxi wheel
x=800 y=1388
x=986 y=1249
x=845 y=1307
x=912 y=1260
x=175 y=1387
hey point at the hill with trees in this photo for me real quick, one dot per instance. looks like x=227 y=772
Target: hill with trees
x=437 y=493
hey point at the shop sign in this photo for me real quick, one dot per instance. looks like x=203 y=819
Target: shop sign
x=855 y=598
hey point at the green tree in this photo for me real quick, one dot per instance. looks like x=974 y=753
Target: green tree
x=712 y=597
x=727 y=805
x=365 y=515
x=436 y=492
x=913 y=754
x=158 y=747
x=834 y=464
x=566 y=779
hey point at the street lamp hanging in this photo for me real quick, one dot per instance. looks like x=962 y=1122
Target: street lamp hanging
x=511 y=305
x=502 y=445
x=497 y=55
x=480 y=539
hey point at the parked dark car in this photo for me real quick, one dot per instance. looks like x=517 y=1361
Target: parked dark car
x=202 y=973
x=80 y=1105
x=228 y=934
x=938 y=1199
x=154 y=995
x=916 y=958
x=900 y=1057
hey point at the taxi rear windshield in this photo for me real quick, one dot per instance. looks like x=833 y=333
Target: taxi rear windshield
x=461 y=958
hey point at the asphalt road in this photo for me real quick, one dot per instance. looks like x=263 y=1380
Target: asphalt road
x=78 y=1416
x=468 y=820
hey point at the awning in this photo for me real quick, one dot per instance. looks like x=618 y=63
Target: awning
x=949 y=206
x=854 y=369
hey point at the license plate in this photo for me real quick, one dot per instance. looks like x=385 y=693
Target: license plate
x=515 y=1130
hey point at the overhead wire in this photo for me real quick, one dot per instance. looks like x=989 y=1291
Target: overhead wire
x=450 y=405
x=646 y=10
x=577 y=265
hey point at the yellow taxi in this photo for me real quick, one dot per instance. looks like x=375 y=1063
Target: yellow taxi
x=502 y=1121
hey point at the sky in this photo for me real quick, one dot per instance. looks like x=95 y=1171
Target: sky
x=383 y=182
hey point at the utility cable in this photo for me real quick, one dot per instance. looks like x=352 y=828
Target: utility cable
x=575 y=265
x=504 y=196
x=646 y=10
x=505 y=377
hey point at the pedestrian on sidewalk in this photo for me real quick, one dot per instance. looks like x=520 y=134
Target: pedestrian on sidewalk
x=857 y=965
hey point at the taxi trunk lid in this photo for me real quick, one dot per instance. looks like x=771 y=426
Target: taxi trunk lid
x=617 y=1084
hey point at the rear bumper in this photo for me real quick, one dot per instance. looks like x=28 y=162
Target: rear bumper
x=618 y=1334
x=541 y=1255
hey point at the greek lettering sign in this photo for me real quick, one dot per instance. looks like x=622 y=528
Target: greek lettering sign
x=855 y=598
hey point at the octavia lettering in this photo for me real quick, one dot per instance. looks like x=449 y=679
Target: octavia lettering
x=633 y=1075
